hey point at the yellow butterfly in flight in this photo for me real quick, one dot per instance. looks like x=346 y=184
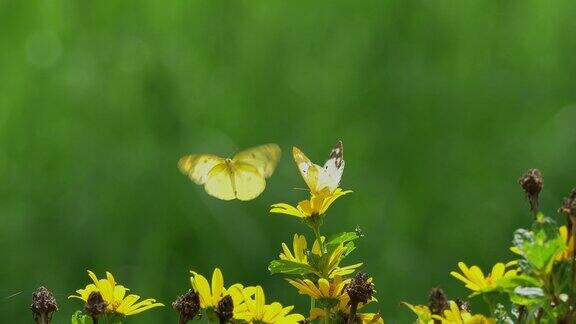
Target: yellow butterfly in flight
x=241 y=177
x=319 y=178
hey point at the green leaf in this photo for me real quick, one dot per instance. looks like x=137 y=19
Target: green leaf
x=527 y=296
x=542 y=251
x=539 y=247
x=290 y=267
x=342 y=238
x=350 y=246
x=511 y=283
x=79 y=318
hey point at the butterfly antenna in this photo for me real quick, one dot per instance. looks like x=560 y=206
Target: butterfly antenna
x=303 y=189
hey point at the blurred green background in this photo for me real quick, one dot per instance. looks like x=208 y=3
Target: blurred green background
x=441 y=105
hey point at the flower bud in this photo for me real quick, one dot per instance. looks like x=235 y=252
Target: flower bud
x=531 y=182
x=569 y=206
x=437 y=301
x=225 y=309
x=361 y=289
x=43 y=305
x=95 y=305
x=187 y=305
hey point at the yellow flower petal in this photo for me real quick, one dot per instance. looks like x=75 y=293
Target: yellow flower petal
x=282 y=208
x=217 y=286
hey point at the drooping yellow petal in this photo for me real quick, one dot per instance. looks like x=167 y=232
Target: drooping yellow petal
x=217 y=286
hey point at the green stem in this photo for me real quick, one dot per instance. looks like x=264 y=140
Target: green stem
x=327 y=317
x=316 y=230
x=312 y=303
x=490 y=303
x=352 y=315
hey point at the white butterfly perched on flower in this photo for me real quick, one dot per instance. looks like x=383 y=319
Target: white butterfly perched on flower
x=319 y=178
x=241 y=177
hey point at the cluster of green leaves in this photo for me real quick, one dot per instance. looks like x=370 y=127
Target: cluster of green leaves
x=542 y=291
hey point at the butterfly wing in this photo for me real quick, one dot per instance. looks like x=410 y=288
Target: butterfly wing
x=308 y=170
x=220 y=183
x=198 y=166
x=317 y=177
x=248 y=182
x=333 y=168
x=242 y=177
x=264 y=158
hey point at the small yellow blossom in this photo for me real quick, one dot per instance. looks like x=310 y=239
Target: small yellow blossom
x=115 y=296
x=454 y=315
x=477 y=282
x=343 y=309
x=210 y=295
x=317 y=204
x=323 y=290
x=255 y=309
x=422 y=312
x=332 y=268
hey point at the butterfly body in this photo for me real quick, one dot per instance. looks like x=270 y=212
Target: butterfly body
x=241 y=177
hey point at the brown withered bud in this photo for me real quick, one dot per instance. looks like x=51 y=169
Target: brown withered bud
x=225 y=309
x=531 y=182
x=569 y=206
x=43 y=305
x=360 y=289
x=569 y=210
x=95 y=305
x=437 y=301
x=187 y=305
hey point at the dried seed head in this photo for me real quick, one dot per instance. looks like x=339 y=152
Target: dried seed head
x=437 y=301
x=187 y=305
x=569 y=206
x=531 y=182
x=95 y=305
x=225 y=309
x=360 y=289
x=43 y=304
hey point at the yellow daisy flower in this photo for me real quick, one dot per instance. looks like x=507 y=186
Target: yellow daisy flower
x=422 y=311
x=255 y=309
x=324 y=290
x=317 y=204
x=299 y=245
x=343 y=308
x=456 y=316
x=115 y=296
x=477 y=282
x=210 y=295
